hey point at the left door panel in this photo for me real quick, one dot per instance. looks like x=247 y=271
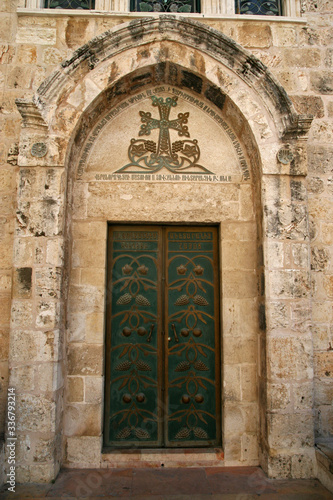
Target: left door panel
x=133 y=343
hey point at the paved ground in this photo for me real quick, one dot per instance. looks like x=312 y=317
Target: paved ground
x=228 y=483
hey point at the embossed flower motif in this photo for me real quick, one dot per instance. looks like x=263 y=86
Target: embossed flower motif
x=138 y=149
x=181 y=269
x=127 y=269
x=189 y=150
x=143 y=269
x=198 y=270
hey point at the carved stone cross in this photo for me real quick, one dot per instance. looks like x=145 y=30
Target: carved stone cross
x=164 y=124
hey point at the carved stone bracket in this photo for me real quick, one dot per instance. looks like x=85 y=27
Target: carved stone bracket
x=298 y=128
x=31 y=115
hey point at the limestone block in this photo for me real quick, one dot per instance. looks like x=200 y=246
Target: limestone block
x=234 y=420
x=323 y=391
x=231 y=383
x=232 y=451
x=302 y=58
x=43 y=473
x=300 y=253
x=43 y=218
x=290 y=358
x=239 y=255
x=238 y=231
x=278 y=396
x=290 y=431
x=23 y=378
x=279 y=466
x=24 y=346
x=6 y=27
x=288 y=284
x=303 y=396
x=23 y=252
x=239 y=284
x=320 y=257
x=311 y=105
x=321 y=335
x=250 y=448
x=275 y=252
x=5 y=283
x=294 y=81
x=320 y=159
x=322 y=311
x=48 y=282
x=86 y=298
x=322 y=131
x=26 y=54
x=36 y=35
x=7 y=178
x=83 y=420
x=327 y=233
x=75 y=389
x=236 y=351
x=249 y=386
x=55 y=252
x=284 y=36
x=22 y=283
x=328 y=285
x=323 y=362
x=300 y=315
x=23 y=449
x=51 y=56
x=315 y=185
x=76 y=326
x=94 y=332
x=94 y=277
x=21 y=314
x=84 y=451
x=254 y=35
x=43 y=449
x=6 y=259
x=93 y=390
x=35 y=413
x=89 y=253
x=322 y=82
x=47 y=314
x=49 y=377
x=85 y=359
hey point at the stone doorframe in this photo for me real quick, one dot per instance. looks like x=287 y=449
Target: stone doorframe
x=55 y=124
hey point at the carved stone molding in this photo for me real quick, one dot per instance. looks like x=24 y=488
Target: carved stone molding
x=31 y=115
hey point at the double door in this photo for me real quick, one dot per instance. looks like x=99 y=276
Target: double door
x=162 y=337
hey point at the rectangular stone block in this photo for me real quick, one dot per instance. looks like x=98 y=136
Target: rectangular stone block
x=239 y=284
x=35 y=413
x=86 y=298
x=48 y=282
x=231 y=384
x=75 y=389
x=93 y=390
x=83 y=420
x=85 y=359
x=239 y=255
x=37 y=35
x=84 y=451
x=290 y=431
x=323 y=362
x=22 y=283
x=291 y=358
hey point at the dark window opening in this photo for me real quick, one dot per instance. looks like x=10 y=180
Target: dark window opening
x=70 y=4
x=259 y=7
x=185 y=6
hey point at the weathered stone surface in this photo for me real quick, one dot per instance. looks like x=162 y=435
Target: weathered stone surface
x=83 y=420
x=84 y=450
x=324 y=364
x=85 y=360
x=311 y=105
x=322 y=82
x=75 y=389
x=35 y=413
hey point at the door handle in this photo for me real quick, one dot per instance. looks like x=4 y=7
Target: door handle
x=175 y=333
x=150 y=333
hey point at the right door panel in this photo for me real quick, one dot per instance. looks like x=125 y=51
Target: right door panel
x=192 y=340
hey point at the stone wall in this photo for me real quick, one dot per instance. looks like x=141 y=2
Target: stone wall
x=299 y=54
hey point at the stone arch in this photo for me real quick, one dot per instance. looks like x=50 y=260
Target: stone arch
x=207 y=64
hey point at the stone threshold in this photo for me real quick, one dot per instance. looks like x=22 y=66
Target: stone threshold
x=166 y=457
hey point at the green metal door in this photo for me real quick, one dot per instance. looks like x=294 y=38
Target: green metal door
x=162 y=338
